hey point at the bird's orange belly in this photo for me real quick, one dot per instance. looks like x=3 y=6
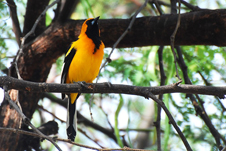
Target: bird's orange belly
x=83 y=69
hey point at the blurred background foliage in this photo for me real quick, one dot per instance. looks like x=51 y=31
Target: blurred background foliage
x=133 y=66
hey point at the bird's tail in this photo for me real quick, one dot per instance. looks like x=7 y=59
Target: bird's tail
x=72 y=116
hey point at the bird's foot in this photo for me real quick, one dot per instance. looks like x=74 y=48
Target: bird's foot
x=108 y=84
x=84 y=84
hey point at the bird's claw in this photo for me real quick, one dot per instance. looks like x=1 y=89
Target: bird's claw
x=108 y=84
x=84 y=85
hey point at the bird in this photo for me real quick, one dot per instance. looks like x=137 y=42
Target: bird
x=81 y=64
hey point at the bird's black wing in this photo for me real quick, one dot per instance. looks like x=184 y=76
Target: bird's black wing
x=67 y=61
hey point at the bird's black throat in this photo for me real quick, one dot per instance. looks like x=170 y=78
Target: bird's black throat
x=93 y=33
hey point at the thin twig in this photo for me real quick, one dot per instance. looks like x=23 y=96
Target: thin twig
x=171 y=119
x=27 y=121
x=94 y=140
x=90 y=104
x=121 y=37
x=77 y=144
x=22 y=132
x=163 y=79
x=99 y=149
x=172 y=39
x=109 y=123
x=158 y=7
x=162 y=3
x=190 y=6
x=123 y=149
x=42 y=108
x=209 y=84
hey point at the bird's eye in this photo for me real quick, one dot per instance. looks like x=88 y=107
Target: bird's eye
x=92 y=22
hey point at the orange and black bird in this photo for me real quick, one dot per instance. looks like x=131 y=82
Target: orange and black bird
x=82 y=64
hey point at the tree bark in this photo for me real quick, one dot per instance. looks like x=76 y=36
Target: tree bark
x=9 y=117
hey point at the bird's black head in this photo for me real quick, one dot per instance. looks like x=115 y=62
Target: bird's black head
x=92 y=30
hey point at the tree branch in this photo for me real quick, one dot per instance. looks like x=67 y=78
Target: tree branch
x=199 y=111
x=157 y=6
x=65 y=9
x=22 y=85
x=173 y=4
x=163 y=79
x=171 y=119
x=172 y=37
x=190 y=6
x=33 y=10
x=194 y=23
x=15 y=21
x=209 y=84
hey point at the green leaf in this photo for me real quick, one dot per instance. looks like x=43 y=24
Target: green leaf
x=118 y=137
x=167 y=125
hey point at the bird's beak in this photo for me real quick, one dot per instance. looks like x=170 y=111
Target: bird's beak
x=95 y=20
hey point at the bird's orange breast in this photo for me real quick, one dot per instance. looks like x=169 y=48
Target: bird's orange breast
x=85 y=64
